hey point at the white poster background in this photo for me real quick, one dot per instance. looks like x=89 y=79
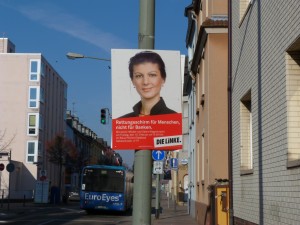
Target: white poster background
x=125 y=96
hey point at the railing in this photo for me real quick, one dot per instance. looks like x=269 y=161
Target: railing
x=16 y=195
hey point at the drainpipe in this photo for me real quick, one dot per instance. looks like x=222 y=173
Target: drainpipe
x=230 y=176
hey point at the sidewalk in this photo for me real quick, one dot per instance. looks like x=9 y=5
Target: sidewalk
x=172 y=214
x=13 y=209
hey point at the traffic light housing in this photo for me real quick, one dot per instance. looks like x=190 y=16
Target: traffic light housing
x=103 y=116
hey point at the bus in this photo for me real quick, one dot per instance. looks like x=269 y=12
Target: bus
x=106 y=188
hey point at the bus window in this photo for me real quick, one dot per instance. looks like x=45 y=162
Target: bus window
x=99 y=180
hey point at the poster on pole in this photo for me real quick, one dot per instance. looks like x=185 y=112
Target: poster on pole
x=146 y=99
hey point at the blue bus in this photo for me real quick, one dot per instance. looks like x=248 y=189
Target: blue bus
x=106 y=188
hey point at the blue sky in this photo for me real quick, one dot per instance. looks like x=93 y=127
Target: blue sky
x=92 y=28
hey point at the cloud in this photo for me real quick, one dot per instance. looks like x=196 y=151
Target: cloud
x=59 y=20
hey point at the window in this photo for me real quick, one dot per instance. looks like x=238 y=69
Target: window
x=202 y=97
x=31 y=151
x=33 y=122
x=198 y=169
x=33 y=97
x=34 y=70
x=198 y=89
x=246 y=134
x=293 y=101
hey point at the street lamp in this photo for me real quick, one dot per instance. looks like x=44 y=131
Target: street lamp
x=72 y=55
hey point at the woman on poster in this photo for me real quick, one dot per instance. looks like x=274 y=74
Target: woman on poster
x=148 y=75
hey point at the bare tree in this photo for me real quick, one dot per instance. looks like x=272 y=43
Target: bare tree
x=5 y=143
x=60 y=150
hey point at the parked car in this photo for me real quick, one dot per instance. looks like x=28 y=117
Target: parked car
x=73 y=196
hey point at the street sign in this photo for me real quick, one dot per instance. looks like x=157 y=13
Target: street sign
x=43 y=175
x=174 y=163
x=158 y=167
x=184 y=161
x=2 y=166
x=10 y=167
x=158 y=155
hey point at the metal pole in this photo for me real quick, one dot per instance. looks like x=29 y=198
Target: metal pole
x=142 y=158
x=9 y=178
x=157 y=197
x=168 y=196
x=229 y=96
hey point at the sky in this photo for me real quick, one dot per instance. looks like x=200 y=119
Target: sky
x=91 y=28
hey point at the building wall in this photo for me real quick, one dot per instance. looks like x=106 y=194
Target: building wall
x=183 y=155
x=14 y=98
x=208 y=66
x=212 y=127
x=216 y=117
x=192 y=148
x=269 y=194
x=90 y=149
x=53 y=111
x=6 y=46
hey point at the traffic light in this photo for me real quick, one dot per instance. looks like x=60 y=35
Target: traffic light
x=103 y=116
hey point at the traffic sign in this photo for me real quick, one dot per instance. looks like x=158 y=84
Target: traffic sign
x=2 y=166
x=10 y=167
x=174 y=163
x=184 y=161
x=158 y=167
x=158 y=154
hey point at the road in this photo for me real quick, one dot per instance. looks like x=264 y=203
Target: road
x=68 y=214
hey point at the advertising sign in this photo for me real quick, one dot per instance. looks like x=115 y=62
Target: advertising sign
x=146 y=99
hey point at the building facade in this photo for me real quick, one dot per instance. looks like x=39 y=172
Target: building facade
x=207 y=43
x=265 y=111
x=178 y=186
x=33 y=103
x=91 y=150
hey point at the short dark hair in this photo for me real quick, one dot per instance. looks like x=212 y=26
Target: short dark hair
x=147 y=56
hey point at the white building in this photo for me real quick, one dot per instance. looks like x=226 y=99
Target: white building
x=33 y=101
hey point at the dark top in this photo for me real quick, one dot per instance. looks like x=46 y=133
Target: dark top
x=157 y=109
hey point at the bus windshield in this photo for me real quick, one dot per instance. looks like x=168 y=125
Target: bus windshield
x=102 y=180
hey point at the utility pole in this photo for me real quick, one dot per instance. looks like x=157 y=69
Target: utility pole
x=142 y=158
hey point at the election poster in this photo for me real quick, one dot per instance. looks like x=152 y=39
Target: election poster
x=146 y=99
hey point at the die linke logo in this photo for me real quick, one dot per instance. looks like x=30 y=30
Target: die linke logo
x=102 y=197
x=167 y=141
